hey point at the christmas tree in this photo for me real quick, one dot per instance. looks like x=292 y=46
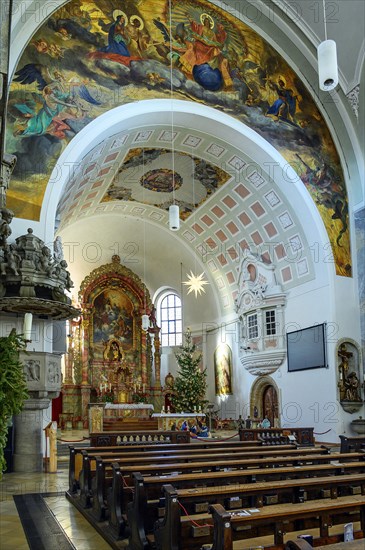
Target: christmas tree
x=190 y=383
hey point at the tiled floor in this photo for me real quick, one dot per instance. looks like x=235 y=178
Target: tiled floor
x=79 y=531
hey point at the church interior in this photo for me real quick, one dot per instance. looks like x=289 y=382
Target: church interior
x=181 y=249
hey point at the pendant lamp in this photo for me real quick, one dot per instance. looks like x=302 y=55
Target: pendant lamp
x=174 y=217
x=327 y=61
x=174 y=211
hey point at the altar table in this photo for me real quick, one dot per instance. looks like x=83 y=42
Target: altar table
x=125 y=410
x=169 y=421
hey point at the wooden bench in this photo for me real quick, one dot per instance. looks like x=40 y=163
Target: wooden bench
x=96 y=494
x=165 y=456
x=352 y=443
x=120 y=494
x=75 y=462
x=284 y=518
x=98 y=465
x=142 y=513
x=180 y=532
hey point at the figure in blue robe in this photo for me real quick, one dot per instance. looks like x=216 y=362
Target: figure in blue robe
x=116 y=43
x=285 y=106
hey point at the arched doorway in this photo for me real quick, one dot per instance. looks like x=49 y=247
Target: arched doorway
x=265 y=400
x=270 y=404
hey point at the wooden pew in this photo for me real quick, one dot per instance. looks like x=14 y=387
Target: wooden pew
x=283 y=518
x=183 y=532
x=75 y=462
x=91 y=469
x=119 y=498
x=97 y=466
x=107 y=476
x=143 y=513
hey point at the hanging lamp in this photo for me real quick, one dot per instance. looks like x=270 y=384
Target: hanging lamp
x=327 y=61
x=174 y=211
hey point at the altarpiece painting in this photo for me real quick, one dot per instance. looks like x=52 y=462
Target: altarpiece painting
x=223 y=370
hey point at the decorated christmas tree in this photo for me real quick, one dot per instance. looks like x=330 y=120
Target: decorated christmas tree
x=190 y=383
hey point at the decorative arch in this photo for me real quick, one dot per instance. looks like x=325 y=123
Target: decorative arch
x=257 y=395
x=251 y=80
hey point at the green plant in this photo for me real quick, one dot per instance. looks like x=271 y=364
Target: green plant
x=13 y=387
x=108 y=397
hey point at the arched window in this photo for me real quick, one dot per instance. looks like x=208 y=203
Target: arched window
x=171 y=320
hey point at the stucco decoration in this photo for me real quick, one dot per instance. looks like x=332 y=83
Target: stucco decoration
x=42 y=372
x=353 y=97
x=260 y=305
x=87 y=58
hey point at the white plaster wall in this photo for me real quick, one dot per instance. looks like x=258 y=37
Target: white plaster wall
x=306 y=398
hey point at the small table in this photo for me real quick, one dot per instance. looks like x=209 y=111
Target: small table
x=167 y=421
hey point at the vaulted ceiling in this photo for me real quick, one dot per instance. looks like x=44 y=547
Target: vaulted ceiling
x=115 y=197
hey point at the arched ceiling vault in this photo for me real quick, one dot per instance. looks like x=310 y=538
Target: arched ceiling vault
x=113 y=176
x=236 y=192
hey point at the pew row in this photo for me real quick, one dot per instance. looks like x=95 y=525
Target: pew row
x=121 y=493
x=99 y=467
x=75 y=454
x=190 y=532
x=142 y=512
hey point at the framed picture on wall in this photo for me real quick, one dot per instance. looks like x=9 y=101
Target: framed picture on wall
x=223 y=370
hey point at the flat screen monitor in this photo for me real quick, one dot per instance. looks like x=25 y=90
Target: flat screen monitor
x=306 y=348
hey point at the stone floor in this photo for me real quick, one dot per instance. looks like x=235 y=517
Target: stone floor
x=53 y=486
x=79 y=532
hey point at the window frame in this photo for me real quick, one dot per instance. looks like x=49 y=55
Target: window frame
x=251 y=327
x=270 y=325
x=170 y=337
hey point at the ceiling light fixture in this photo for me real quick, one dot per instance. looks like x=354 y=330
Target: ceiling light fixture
x=174 y=213
x=327 y=60
x=195 y=283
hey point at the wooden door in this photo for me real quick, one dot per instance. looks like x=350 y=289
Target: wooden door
x=270 y=404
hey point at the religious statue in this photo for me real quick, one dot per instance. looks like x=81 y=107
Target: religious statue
x=345 y=356
x=349 y=383
x=352 y=387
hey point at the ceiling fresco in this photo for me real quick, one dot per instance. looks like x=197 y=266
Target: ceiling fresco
x=89 y=57
x=146 y=176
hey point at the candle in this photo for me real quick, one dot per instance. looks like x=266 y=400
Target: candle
x=27 y=326
x=143 y=388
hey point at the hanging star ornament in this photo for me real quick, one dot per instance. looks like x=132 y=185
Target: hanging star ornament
x=195 y=283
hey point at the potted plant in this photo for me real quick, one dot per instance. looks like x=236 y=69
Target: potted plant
x=13 y=387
